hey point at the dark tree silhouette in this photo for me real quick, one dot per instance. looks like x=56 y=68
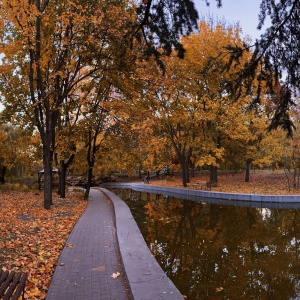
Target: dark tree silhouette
x=279 y=46
x=276 y=57
x=162 y=22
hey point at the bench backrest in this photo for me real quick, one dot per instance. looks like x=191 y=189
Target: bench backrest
x=12 y=284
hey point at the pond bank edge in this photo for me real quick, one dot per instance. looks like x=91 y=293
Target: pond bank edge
x=184 y=193
x=146 y=278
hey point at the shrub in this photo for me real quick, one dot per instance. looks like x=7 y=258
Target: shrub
x=169 y=178
x=16 y=186
x=26 y=188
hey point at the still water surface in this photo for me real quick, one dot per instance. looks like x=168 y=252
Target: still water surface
x=214 y=251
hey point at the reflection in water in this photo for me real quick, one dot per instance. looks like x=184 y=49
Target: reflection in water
x=212 y=251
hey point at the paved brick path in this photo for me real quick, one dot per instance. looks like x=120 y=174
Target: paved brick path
x=90 y=257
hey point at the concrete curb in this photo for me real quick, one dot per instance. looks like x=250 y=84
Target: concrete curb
x=199 y=195
x=146 y=278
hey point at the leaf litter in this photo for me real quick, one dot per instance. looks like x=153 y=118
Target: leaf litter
x=115 y=275
x=261 y=182
x=32 y=238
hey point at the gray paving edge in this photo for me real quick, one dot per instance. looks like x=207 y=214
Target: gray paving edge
x=199 y=195
x=146 y=278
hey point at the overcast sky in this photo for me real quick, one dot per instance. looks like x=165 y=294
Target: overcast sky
x=245 y=12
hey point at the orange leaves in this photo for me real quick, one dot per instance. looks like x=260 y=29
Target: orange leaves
x=33 y=293
x=9 y=245
x=32 y=238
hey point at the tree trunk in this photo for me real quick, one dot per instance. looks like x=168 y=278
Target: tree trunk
x=2 y=175
x=62 y=175
x=187 y=171
x=248 y=167
x=193 y=170
x=62 y=179
x=90 y=157
x=184 y=172
x=47 y=177
x=295 y=179
x=213 y=174
x=59 y=182
x=188 y=163
x=89 y=182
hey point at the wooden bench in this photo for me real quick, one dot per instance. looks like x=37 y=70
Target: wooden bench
x=204 y=185
x=12 y=285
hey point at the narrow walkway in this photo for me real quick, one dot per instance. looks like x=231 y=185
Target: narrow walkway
x=91 y=257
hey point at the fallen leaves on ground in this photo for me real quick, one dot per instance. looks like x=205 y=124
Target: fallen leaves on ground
x=115 y=275
x=32 y=238
x=100 y=269
x=261 y=182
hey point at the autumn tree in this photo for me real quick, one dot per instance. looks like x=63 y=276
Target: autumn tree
x=93 y=127
x=129 y=143
x=244 y=146
x=229 y=115
x=66 y=144
x=10 y=138
x=16 y=150
x=263 y=118
x=129 y=140
x=49 y=48
x=107 y=105
x=143 y=147
x=277 y=49
x=194 y=103
x=290 y=153
x=178 y=126
x=4 y=157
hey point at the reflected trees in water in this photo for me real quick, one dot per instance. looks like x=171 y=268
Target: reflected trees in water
x=213 y=251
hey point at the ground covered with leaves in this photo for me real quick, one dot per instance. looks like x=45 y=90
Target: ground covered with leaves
x=32 y=238
x=261 y=182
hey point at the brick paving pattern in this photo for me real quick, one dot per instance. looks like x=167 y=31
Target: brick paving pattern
x=90 y=257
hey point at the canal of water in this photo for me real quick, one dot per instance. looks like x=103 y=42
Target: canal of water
x=218 y=251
